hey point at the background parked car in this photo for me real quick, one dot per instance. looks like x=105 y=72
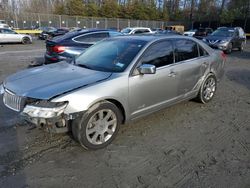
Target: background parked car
x=74 y=43
x=136 y=30
x=227 y=38
x=50 y=32
x=190 y=33
x=156 y=30
x=10 y=36
x=170 y=32
x=4 y=25
x=202 y=32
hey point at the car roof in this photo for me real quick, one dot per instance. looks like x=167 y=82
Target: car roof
x=152 y=37
x=137 y=28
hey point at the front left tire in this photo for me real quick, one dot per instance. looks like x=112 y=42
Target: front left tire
x=98 y=126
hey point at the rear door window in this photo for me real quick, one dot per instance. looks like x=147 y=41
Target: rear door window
x=185 y=50
x=91 y=38
x=141 y=31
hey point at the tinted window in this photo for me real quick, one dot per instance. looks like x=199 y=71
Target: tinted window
x=91 y=38
x=159 y=54
x=113 y=33
x=141 y=31
x=8 y=31
x=185 y=49
x=110 y=55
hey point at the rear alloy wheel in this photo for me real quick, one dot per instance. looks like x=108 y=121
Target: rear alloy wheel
x=229 y=48
x=26 y=40
x=241 y=48
x=98 y=126
x=207 y=90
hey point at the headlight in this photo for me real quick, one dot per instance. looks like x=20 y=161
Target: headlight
x=204 y=40
x=1 y=89
x=45 y=109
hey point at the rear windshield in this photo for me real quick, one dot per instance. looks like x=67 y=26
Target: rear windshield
x=68 y=35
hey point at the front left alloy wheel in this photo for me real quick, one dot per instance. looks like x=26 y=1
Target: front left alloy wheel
x=98 y=126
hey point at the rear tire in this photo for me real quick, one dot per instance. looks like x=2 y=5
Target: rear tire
x=98 y=126
x=207 y=89
x=241 y=48
x=229 y=48
x=26 y=40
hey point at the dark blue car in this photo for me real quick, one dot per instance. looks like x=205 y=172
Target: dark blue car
x=74 y=43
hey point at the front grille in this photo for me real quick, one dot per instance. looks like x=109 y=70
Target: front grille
x=213 y=41
x=12 y=101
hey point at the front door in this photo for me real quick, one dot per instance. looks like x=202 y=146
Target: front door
x=148 y=92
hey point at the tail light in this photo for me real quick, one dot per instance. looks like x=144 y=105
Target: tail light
x=58 y=49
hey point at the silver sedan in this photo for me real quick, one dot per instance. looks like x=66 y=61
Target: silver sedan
x=113 y=82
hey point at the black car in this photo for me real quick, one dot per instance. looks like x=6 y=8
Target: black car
x=227 y=38
x=74 y=43
x=51 y=32
x=202 y=32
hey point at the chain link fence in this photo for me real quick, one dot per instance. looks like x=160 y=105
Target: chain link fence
x=35 y=20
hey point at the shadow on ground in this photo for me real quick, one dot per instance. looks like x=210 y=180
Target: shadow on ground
x=240 y=76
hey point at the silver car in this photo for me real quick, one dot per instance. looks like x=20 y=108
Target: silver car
x=10 y=36
x=116 y=80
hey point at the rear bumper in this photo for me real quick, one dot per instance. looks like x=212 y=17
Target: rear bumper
x=53 y=58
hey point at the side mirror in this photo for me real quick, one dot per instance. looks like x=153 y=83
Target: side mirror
x=147 y=69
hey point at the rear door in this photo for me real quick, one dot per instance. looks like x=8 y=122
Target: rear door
x=189 y=64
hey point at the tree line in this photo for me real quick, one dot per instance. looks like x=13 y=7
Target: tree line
x=166 y=10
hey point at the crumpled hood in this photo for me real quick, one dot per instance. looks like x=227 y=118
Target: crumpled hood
x=48 y=81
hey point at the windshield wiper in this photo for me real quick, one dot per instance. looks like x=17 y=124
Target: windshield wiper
x=83 y=65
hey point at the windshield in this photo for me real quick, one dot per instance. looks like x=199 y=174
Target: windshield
x=126 y=30
x=110 y=55
x=223 y=33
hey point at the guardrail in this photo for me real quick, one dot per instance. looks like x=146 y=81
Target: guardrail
x=22 y=31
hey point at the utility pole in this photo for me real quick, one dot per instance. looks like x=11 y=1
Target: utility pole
x=191 y=15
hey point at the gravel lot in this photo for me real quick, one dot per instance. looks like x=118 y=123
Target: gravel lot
x=187 y=145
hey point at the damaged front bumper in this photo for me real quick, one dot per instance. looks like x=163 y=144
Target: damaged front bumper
x=58 y=124
x=47 y=115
